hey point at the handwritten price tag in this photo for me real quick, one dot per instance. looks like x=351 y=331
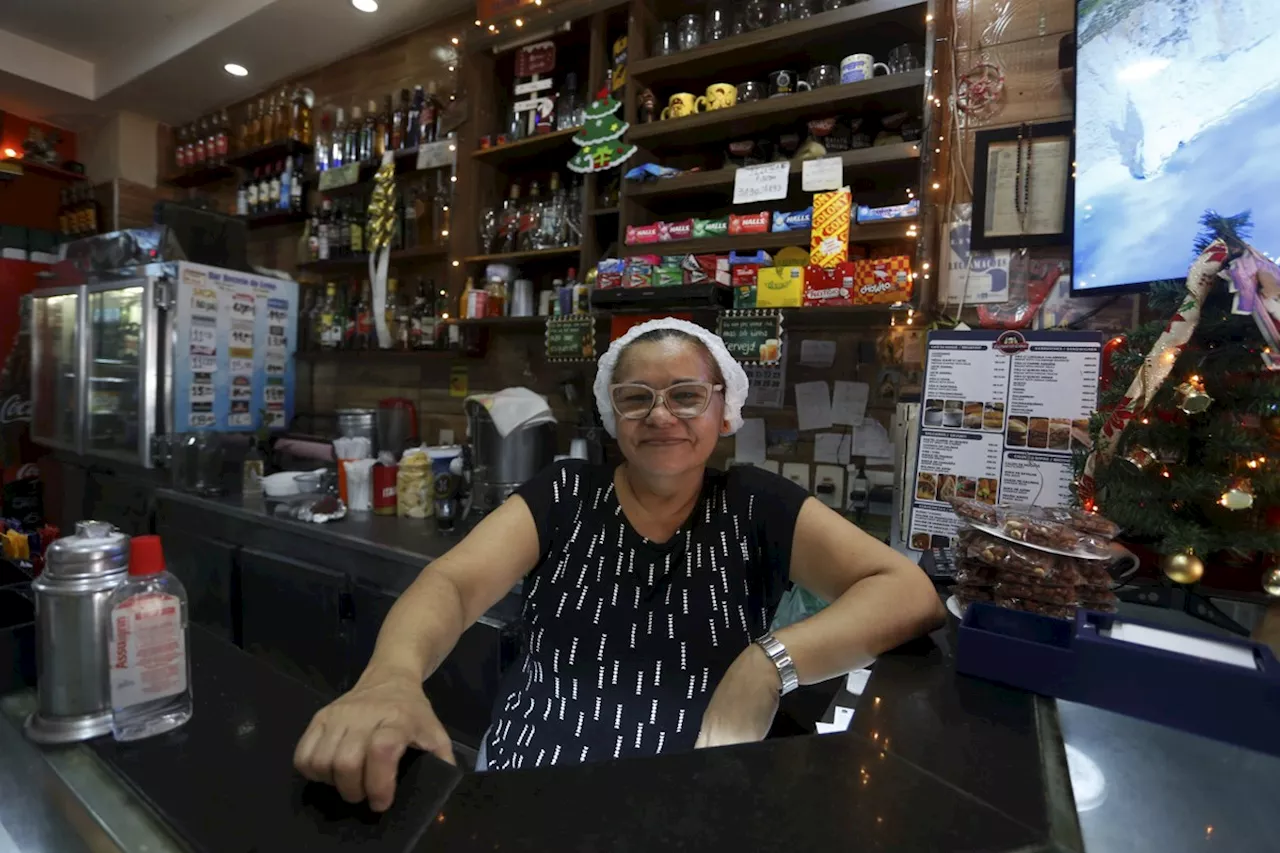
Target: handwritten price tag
x=760 y=183
x=433 y=155
x=824 y=174
x=202 y=335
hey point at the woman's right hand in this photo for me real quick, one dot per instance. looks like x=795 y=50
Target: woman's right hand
x=356 y=742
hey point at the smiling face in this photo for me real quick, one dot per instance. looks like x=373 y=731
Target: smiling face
x=661 y=443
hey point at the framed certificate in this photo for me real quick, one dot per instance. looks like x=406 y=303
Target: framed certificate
x=1023 y=186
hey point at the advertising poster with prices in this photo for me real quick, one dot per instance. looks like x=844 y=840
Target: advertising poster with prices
x=1003 y=412
x=235 y=343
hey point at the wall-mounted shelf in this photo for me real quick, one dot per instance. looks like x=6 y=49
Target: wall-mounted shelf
x=876 y=232
x=906 y=154
x=525 y=149
x=200 y=177
x=892 y=92
x=522 y=257
x=48 y=170
x=839 y=33
x=269 y=155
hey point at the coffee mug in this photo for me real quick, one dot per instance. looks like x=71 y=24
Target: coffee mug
x=680 y=104
x=785 y=83
x=719 y=96
x=859 y=66
x=750 y=91
x=822 y=75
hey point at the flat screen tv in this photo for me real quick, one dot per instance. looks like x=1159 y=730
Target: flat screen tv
x=1177 y=112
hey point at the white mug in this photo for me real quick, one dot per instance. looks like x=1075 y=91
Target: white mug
x=859 y=66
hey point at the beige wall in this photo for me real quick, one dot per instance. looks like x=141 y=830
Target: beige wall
x=124 y=147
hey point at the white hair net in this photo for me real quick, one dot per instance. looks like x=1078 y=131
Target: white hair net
x=735 y=378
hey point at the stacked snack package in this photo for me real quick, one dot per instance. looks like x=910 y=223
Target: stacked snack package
x=1048 y=561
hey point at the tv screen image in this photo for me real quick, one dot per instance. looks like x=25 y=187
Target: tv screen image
x=1177 y=112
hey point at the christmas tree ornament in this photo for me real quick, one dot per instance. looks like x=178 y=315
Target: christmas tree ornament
x=1184 y=567
x=599 y=138
x=1190 y=396
x=382 y=222
x=1141 y=457
x=1238 y=496
x=1271 y=581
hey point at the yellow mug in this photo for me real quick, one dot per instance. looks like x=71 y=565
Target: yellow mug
x=681 y=104
x=719 y=96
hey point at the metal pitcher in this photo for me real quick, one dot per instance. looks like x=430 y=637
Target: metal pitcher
x=72 y=597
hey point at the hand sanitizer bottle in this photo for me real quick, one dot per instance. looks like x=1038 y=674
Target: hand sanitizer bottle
x=149 y=670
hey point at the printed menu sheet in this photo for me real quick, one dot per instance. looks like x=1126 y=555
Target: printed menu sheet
x=1003 y=413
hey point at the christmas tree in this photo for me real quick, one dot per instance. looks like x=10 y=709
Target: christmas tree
x=599 y=138
x=1186 y=452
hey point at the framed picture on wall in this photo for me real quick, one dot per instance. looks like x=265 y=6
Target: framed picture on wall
x=1022 y=186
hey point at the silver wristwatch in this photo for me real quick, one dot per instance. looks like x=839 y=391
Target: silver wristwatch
x=782 y=660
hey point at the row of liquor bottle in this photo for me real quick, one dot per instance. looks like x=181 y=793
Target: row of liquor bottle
x=536 y=222
x=338 y=227
x=274 y=189
x=362 y=137
x=343 y=319
x=79 y=214
x=210 y=140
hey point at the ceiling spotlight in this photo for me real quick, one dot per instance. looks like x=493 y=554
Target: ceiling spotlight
x=235 y=70
x=365 y=5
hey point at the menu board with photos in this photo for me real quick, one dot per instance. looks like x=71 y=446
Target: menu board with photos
x=1003 y=413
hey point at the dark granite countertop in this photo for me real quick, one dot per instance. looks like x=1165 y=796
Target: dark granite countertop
x=938 y=763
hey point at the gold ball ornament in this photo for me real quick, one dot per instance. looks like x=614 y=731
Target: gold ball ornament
x=1182 y=568
x=1271 y=581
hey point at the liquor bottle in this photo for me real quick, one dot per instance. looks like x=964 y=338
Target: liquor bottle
x=412 y=210
x=202 y=130
x=286 y=188
x=413 y=129
x=429 y=319
x=296 y=183
x=284 y=111
x=242 y=199
x=352 y=153
x=180 y=149
x=313 y=235
x=251 y=130
x=344 y=231
x=511 y=220
x=326 y=213
x=191 y=146
x=267 y=109
x=339 y=141
x=211 y=142
x=384 y=129
x=429 y=118
x=251 y=193
x=364 y=337
x=551 y=227
x=223 y=139
x=264 y=190
x=356 y=226
x=403 y=337
x=273 y=189
x=369 y=140
x=530 y=213
x=300 y=117
x=390 y=313
x=328 y=318
x=350 y=315
x=398 y=122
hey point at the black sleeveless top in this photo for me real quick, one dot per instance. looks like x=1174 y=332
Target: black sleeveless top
x=624 y=639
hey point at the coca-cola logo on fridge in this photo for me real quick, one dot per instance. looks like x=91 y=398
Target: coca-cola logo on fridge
x=15 y=409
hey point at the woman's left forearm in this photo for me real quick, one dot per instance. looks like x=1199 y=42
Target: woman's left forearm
x=872 y=616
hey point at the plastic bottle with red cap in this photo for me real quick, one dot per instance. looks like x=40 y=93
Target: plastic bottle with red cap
x=148 y=643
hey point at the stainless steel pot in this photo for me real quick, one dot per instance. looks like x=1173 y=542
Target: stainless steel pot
x=359 y=422
x=501 y=465
x=72 y=597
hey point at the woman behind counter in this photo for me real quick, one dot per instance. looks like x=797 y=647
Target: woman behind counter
x=649 y=591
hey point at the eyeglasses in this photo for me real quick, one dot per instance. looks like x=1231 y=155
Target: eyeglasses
x=685 y=400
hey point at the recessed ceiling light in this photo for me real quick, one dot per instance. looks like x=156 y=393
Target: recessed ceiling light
x=235 y=70
x=365 y=5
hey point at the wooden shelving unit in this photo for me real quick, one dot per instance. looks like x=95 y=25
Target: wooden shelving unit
x=269 y=155
x=523 y=257
x=526 y=149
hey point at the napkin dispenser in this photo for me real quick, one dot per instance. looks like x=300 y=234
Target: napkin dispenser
x=1224 y=688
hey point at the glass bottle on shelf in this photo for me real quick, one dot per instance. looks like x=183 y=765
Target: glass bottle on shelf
x=412 y=201
x=399 y=121
x=264 y=190
x=300 y=129
x=356 y=227
x=411 y=336
x=328 y=314
x=363 y=314
x=402 y=328
x=224 y=138
x=296 y=184
x=338 y=145
x=242 y=199
x=431 y=315
x=429 y=118
x=380 y=133
x=267 y=109
x=251 y=193
x=342 y=228
x=284 y=109
x=180 y=149
x=368 y=132
x=510 y=220
x=280 y=185
x=551 y=225
x=211 y=141
x=202 y=130
x=496 y=303
x=324 y=249
x=351 y=139
x=413 y=128
x=530 y=219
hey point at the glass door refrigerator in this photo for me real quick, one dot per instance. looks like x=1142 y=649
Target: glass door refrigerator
x=127 y=359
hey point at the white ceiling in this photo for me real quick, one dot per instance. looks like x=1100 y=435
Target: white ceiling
x=72 y=62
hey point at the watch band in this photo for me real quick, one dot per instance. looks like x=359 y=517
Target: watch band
x=782 y=660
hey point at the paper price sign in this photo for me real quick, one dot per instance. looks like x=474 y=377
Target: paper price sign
x=273 y=394
x=201 y=393
x=204 y=305
x=753 y=336
x=242 y=365
x=274 y=369
x=760 y=183
x=276 y=341
x=202 y=419
x=571 y=338
x=824 y=174
x=276 y=316
x=204 y=363
x=203 y=335
x=242 y=308
x=343 y=176
x=433 y=155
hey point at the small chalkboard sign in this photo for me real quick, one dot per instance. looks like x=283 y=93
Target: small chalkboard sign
x=571 y=338
x=752 y=336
